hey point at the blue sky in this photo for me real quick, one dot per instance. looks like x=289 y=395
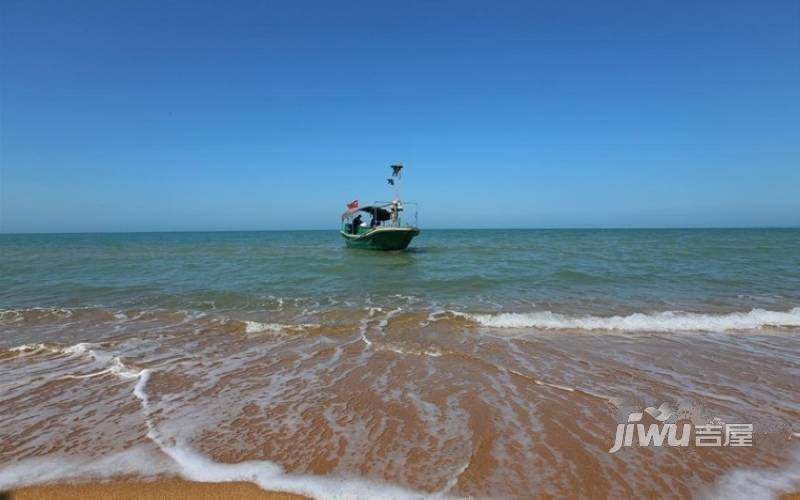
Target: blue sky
x=199 y=115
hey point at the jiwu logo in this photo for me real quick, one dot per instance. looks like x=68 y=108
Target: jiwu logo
x=666 y=428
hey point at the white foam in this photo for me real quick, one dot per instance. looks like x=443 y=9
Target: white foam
x=759 y=483
x=28 y=348
x=269 y=476
x=193 y=466
x=432 y=352
x=76 y=349
x=119 y=368
x=455 y=477
x=174 y=456
x=18 y=314
x=385 y=320
x=141 y=460
x=654 y=322
x=257 y=327
x=79 y=348
x=115 y=364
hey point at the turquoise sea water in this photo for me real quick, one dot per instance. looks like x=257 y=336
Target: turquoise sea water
x=582 y=271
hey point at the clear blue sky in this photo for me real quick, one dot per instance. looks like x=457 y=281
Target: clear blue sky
x=191 y=115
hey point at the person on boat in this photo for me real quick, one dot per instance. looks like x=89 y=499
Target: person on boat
x=356 y=224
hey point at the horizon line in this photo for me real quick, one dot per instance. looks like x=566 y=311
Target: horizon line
x=565 y=228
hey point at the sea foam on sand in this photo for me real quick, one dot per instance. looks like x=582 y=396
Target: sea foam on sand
x=668 y=321
x=178 y=458
x=757 y=484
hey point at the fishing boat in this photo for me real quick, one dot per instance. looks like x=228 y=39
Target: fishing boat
x=382 y=225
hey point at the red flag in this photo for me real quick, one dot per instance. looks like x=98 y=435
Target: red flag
x=352 y=205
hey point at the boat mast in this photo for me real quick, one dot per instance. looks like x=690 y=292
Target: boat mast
x=394 y=180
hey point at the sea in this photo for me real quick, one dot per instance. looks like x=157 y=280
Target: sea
x=478 y=363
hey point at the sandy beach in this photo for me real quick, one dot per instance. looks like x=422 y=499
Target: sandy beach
x=176 y=489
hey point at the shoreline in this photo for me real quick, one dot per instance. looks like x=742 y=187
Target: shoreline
x=159 y=489
x=172 y=488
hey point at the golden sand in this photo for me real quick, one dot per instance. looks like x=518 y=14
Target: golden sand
x=176 y=489
x=440 y=408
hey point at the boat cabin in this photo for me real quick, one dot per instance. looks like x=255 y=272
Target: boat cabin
x=379 y=215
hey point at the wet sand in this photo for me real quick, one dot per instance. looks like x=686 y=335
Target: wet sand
x=389 y=402
x=175 y=489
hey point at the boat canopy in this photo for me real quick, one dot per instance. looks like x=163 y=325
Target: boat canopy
x=379 y=213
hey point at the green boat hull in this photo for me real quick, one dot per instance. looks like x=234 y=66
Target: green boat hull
x=382 y=238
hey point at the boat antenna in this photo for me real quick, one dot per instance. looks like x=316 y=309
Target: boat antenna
x=394 y=180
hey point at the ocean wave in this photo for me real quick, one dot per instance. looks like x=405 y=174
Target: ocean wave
x=95 y=315
x=114 y=364
x=79 y=348
x=139 y=460
x=14 y=315
x=668 y=321
x=194 y=466
x=27 y=348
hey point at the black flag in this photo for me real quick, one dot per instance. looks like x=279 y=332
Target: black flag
x=396 y=170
